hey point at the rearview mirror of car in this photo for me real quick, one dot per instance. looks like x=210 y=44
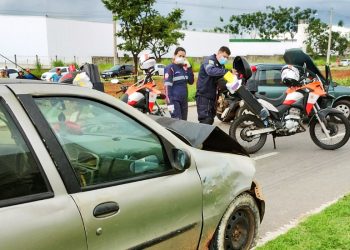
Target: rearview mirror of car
x=182 y=159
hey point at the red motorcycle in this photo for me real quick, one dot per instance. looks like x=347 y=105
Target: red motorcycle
x=143 y=94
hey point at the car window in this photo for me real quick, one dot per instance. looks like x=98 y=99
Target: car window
x=63 y=70
x=101 y=143
x=53 y=70
x=10 y=71
x=19 y=173
x=270 y=77
x=116 y=67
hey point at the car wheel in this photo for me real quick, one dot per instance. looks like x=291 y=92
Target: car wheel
x=239 y=226
x=343 y=106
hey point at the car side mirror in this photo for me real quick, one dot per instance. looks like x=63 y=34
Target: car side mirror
x=182 y=159
x=335 y=84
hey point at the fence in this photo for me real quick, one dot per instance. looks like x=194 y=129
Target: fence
x=44 y=61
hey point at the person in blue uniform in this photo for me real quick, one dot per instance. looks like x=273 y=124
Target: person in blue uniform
x=176 y=77
x=211 y=70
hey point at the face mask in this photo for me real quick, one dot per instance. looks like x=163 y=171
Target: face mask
x=222 y=60
x=179 y=60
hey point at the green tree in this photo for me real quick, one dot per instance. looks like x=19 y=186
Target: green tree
x=135 y=17
x=165 y=32
x=268 y=24
x=285 y=20
x=317 y=41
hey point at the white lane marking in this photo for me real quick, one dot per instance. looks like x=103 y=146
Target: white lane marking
x=293 y=223
x=264 y=156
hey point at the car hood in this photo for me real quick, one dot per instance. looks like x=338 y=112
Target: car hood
x=298 y=57
x=201 y=136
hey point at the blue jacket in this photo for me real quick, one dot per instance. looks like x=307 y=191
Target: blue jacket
x=209 y=74
x=176 y=79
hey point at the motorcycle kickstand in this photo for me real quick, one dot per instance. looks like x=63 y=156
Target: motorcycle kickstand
x=274 y=141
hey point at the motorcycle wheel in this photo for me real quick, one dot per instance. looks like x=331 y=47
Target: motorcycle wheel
x=238 y=131
x=244 y=110
x=339 y=130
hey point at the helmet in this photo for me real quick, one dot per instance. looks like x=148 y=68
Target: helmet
x=290 y=75
x=147 y=61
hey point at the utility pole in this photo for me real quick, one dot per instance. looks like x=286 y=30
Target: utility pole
x=329 y=36
x=115 y=52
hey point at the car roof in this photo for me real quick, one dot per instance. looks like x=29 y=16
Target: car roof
x=269 y=65
x=16 y=81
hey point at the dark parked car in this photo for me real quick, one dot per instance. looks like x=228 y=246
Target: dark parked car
x=268 y=79
x=118 y=70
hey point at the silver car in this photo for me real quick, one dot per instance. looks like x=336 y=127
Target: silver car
x=82 y=170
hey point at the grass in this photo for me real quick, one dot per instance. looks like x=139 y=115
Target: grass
x=329 y=229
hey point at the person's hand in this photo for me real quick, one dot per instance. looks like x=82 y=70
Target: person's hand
x=187 y=64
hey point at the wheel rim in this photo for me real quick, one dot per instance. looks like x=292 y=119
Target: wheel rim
x=239 y=233
x=337 y=131
x=344 y=108
x=242 y=137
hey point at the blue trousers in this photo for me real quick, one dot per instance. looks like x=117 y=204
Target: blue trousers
x=180 y=109
x=205 y=109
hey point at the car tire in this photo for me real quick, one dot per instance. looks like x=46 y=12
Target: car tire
x=239 y=227
x=343 y=106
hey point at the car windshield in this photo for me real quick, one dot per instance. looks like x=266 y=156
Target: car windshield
x=115 y=67
x=53 y=70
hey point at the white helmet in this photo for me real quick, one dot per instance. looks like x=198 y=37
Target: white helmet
x=147 y=61
x=290 y=75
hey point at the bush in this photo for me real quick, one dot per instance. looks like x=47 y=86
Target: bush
x=104 y=66
x=58 y=63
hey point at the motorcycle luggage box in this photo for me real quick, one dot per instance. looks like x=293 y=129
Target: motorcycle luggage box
x=250 y=100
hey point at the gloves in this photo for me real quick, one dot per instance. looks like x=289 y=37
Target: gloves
x=171 y=108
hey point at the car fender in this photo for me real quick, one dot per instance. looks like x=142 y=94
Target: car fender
x=224 y=176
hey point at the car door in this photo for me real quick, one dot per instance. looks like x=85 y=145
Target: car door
x=131 y=195
x=270 y=83
x=35 y=210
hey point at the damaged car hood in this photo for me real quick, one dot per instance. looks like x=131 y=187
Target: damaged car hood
x=201 y=136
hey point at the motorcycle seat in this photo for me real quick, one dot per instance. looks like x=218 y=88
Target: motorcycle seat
x=274 y=101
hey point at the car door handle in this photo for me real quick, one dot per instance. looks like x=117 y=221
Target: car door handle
x=106 y=209
x=262 y=93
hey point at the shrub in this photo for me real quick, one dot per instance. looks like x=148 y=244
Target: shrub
x=58 y=63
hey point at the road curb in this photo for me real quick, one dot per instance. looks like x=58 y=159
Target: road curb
x=191 y=104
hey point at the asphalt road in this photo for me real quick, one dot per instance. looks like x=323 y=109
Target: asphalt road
x=297 y=177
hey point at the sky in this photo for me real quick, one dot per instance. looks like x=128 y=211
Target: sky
x=204 y=14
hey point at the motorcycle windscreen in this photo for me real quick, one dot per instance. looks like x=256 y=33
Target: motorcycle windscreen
x=201 y=136
x=298 y=57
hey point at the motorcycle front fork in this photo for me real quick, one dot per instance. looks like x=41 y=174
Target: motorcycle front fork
x=316 y=108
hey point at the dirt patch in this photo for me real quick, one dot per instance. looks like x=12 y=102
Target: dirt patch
x=114 y=89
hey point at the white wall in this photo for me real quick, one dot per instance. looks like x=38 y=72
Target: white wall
x=69 y=38
x=22 y=36
x=199 y=44
x=261 y=48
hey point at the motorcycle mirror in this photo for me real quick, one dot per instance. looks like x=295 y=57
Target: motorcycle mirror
x=241 y=65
